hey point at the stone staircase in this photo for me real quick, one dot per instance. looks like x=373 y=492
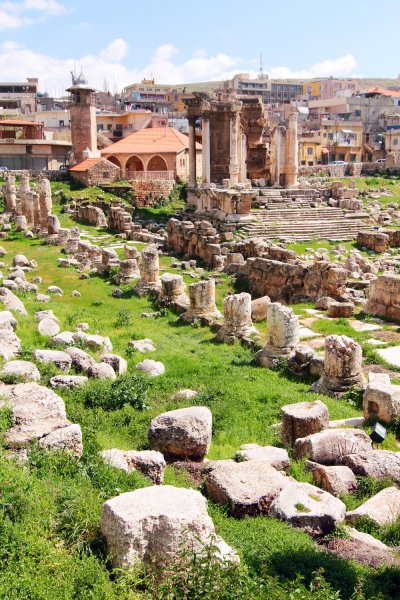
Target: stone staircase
x=295 y=220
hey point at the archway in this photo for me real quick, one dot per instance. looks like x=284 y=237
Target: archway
x=157 y=163
x=134 y=163
x=114 y=160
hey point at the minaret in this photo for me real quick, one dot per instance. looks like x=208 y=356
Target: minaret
x=83 y=119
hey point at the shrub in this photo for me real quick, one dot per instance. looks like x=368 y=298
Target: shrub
x=124 y=318
x=131 y=390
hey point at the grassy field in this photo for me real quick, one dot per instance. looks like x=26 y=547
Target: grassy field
x=49 y=511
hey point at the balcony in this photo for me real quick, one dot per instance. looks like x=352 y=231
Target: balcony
x=150 y=175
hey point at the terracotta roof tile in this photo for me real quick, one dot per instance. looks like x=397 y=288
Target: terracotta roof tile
x=85 y=164
x=149 y=141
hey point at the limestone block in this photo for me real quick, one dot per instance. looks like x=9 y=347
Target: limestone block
x=379 y=464
x=11 y=302
x=48 y=327
x=237 y=318
x=68 y=381
x=302 y=419
x=153 y=368
x=23 y=369
x=248 y=488
x=329 y=445
x=337 y=480
x=60 y=359
x=337 y=310
x=382 y=402
x=66 y=438
x=283 y=335
x=184 y=433
x=101 y=370
x=81 y=360
x=383 y=508
x=118 y=363
x=306 y=506
x=152 y=524
x=259 y=309
x=202 y=302
x=275 y=457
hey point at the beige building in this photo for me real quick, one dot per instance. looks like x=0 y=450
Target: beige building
x=155 y=153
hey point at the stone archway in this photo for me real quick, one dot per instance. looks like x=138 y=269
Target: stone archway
x=134 y=163
x=157 y=163
x=114 y=160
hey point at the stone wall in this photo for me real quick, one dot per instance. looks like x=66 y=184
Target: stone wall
x=384 y=297
x=147 y=192
x=92 y=214
x=331 y=171
x=56 y=175
x=291 y=283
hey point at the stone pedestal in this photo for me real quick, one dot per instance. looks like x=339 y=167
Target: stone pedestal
x=173 y=293
x=131 y=252
x=53 y=225
x=342 y=367
x=149 y=272
x=202 y=302
x=237 y=318
x=283 y=335
x=302 y=419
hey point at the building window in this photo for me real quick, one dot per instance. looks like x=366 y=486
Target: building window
x=353 y=157
x=309 y=151
x=106 y=174
x=118 y=126
x=395 y=141
x=109 y=127
x=330 y=136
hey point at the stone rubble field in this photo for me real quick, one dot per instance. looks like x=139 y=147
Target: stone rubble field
x=190 y=416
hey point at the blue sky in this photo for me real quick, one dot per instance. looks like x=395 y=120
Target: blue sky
x=194 y=41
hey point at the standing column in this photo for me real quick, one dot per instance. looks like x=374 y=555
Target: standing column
x=192 y=152
x=292 y=153
x=205 y=127
x=233 y=163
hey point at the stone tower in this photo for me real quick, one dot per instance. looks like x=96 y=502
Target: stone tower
x=83 y=119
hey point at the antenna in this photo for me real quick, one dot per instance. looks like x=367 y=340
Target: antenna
x=261 y=65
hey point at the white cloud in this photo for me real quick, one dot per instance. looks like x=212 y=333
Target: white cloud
x=340 y=67
x=115 y=51
x=13 y=14
x=18 y=62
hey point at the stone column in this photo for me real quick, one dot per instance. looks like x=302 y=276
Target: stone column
x=205 y=127
x=149 y=271
x=283 y=335
x=45 y=201
x=36 y=210
x=29 y=209
x=243 y=159
x=202 y=302
x=20 y=223
x=53 y=225
x=192 y=152
x=234 y=142
x=24 y=190
x=291 y=153
x=342 y=367
x=237 y=318
x=10 y=194
x=173 y=293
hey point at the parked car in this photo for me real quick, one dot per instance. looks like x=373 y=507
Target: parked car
x=3 y=169
x=63 y=168
x=381 y=160
x=337 y=162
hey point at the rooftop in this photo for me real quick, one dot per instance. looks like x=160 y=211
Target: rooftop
x=149 y=141
x=85 y=165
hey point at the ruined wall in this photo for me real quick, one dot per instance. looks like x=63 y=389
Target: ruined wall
x=101 y=173
x=253 y=122
x=291 y=283
x=384 y=297
x=331 y=171
x=92 y=214
x=147 y=192
x=219 y=145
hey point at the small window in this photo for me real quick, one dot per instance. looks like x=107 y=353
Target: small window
x=106 y=174
x=309 y=151
x=330 y=136
x=395 y=141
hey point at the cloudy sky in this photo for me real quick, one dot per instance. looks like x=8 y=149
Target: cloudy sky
x=120 y=43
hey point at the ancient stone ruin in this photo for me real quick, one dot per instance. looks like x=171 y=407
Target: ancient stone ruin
x=202 y=302
x=283 y=336
x=237 y=318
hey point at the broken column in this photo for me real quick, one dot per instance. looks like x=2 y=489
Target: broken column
x=342 y=367
x=283 y=335
x=302 y=419
x=45 y=202
x=128 y=271
x=10 y=194
x=29 y=208
x=53 y=225
x=36 y=210
x=202 y=302
x=20 y=223
x=149 y=271
x=24 y=190
x=173 y=293
x=237 y=318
